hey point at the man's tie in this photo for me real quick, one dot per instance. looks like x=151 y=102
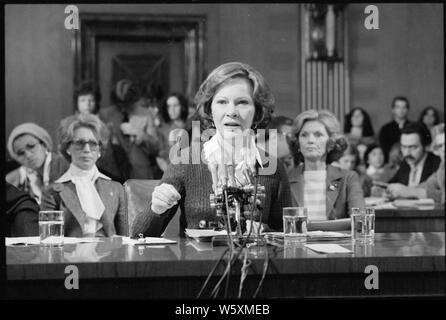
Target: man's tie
x=413 y=177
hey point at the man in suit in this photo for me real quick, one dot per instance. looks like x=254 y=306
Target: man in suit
x=390 y=132
x=418 y=164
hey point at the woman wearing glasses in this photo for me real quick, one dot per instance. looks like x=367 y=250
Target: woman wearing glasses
x=31 y=145
x=93 y=204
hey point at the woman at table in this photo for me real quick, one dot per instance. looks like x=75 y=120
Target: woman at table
x=31 y=146
x=234 y=98
x=434 y=186
x=327 y=191
x=93 y=204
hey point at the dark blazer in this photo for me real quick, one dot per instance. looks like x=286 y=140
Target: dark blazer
x=430 y=166
x=344 y=191
x=63 y=196
x=22 y=213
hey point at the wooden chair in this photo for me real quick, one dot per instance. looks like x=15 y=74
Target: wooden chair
x=138 y=194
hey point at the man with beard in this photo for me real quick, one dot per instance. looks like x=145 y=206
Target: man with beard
x=418 y=164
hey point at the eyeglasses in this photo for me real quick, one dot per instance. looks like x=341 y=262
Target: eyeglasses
x=29 y=147
x=80 y=144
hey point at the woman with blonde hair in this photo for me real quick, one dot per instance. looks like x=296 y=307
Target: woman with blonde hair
x=328 y=192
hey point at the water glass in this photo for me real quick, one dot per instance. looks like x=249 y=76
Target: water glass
x=363 y=225
x=295 y=223
x=51 y=227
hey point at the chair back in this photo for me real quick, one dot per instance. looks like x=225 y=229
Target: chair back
x=138 y=194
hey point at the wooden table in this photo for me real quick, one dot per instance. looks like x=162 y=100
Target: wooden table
x=409 y=264
x=410 y=220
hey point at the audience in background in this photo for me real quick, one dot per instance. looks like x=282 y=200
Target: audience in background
x=134 y=139
x=390 y=132
x=429 y=117
x=376 y=169
x=283 y=125
x=359 y=130
x=350 y=161
x=374 y=161
x=173 y=112
x=418 y=164
x=22 y=213
x=328 y=192
x=93 y=205
x=86 y=98
x=434 y=186
x=31 y=146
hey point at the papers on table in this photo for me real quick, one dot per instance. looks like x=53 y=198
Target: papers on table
x=147 y=241
x=204 y=234
x=36 y=240
x=313 y=235
x=374 y=201
x=420 y=204
x=327 y=235
x=327 y=248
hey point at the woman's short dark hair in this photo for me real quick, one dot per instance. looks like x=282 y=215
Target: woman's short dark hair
x=183 y=103
x=337 y=142
x=262 y=96
x=426 y=110
x=369 y=149
x=84 y=88
x=367 y=128
x=89 y=121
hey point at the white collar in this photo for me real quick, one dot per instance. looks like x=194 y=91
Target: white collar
x=25 y=172
x=245 y=149
x=75 y=171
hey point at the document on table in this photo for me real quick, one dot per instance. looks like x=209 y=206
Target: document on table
x=36 y=240
x=327 y=248
x=420 y=204
x=147 y=241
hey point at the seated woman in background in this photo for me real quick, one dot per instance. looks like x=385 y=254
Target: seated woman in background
x=86 y=99
x=434 y=186
x=429 y=117
x=233 y=98
x=328 y=192
x=358 y=130
x=374 y=160
x=93 y=205
x=31 y=145
x=134 y=140
x=173 y=112
x=350 y=161
x=22 y=213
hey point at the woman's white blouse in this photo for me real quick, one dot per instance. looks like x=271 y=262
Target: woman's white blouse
x=315 y=192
